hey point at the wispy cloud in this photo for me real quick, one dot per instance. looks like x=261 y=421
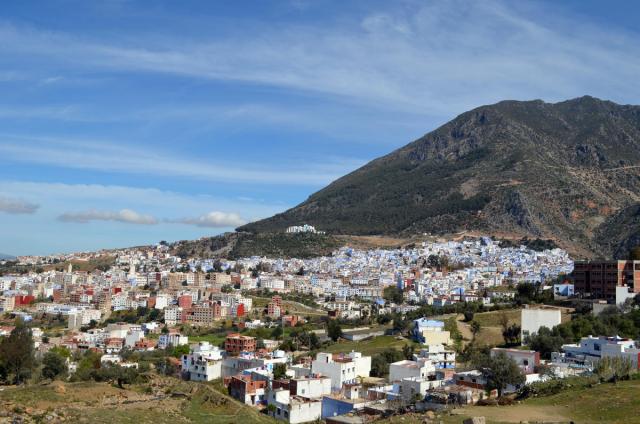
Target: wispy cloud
x=106 y=156
x=17 y=206
x=441 y=58
x=125 y=215
x=213 y=219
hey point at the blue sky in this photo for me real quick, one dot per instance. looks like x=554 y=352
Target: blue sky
x=129 y=122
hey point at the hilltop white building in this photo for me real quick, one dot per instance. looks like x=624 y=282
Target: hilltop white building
x=302 y=229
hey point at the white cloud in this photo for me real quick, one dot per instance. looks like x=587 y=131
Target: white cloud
x=105 y=156
x=59 y=198
x=125 y=215
x=214 y=219
x=17 y=206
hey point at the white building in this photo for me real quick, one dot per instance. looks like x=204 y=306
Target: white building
x=310 y=387
x=301 y=229
x=409 y=369
x=533 y=319
x=203 y=363
x=172 y=315
x=162 y=301
x=417 y=387
x=172 y=339
x=341 y=369
x=132 y=337
x=294 y=409
x=441 y=357
x=430 y=332
x=591 y=349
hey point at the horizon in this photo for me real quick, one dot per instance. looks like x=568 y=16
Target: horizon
x=126 y=123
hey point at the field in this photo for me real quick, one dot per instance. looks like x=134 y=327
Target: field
x=166 y=401
x=604 y=403
x=214 y=339
x=492 y=319
x=491 y=328
x=369 y=347
x=294 y=308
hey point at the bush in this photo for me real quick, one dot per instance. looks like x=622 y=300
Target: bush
x=54 y=365
x=555 y=386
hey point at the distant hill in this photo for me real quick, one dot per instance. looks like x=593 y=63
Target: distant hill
x=567 y=171
x=236 y=245
x=4 y=257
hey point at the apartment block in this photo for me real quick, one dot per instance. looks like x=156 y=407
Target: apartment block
x=236 y=343
x=599 y=279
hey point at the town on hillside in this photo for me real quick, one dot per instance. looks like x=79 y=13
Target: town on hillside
x=427 y=332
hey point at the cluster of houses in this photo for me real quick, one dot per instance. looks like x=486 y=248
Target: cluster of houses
x=333 y=385
x=349 y=284
x=201 y=291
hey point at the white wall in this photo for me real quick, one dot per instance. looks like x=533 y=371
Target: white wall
x=533 y=319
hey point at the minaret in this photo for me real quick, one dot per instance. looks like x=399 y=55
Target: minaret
x=132 y=269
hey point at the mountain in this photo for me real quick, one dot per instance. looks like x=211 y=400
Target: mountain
x=4 y=257
x=567 y=171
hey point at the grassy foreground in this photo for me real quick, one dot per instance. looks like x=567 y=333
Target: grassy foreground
x=604 y=403
x=162 y=401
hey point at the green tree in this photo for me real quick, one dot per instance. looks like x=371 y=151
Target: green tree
x=511 y=334
x=393 y=294
x=613 y=369
x=379 y=367
x=17 y=353
x=380 y=362
x=545 y=342
x=279 y=371
x=87 y=366
x=62 y=351
x=277 y=332
x=500 y=371
x=334 y=330
x=178 y=351
x=468 y=315
x=475 y=328
x=407 y=351
x=54 y=365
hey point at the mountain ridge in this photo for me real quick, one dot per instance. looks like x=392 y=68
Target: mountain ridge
x=563 y=171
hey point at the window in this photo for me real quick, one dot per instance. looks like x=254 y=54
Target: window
x=525 y=362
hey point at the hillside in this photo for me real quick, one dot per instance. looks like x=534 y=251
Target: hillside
x=567 y=171
x=163 y=400
x=238 y=245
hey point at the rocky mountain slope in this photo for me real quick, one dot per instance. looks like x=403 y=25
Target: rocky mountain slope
x=567 y=171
